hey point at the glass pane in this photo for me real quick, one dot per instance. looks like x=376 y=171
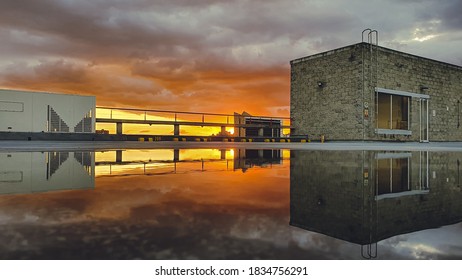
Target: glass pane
x=400 y=112
x=383 y=176
x=392 y=175
x=383 y=111
x=423 y=119
x=400 y=172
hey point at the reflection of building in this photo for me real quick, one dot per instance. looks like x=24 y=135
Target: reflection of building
x=257 y=126
x=167 y=161
x=364 y=197
x=26 y=172
x=23 y=111
x=247 y=158
x=368 y=92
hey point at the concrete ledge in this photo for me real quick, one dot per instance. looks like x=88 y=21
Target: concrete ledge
x=6 y=146
x=393 y=131
x=47 y=136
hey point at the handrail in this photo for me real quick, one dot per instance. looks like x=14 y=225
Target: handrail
x=186 y=112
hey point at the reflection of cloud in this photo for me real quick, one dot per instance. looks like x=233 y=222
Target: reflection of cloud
x=219 y=216
x=441 y=243
x=205 y=215
x=419 y=251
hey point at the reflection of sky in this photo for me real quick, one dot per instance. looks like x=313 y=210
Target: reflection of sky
x=205 y=215
x=444 y=242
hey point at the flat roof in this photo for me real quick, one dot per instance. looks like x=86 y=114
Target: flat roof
x=330 y=52
x=43 y=92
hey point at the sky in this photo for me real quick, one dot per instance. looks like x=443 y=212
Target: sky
x=204 y=56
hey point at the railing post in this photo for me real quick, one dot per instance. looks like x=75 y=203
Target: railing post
x=176 y=129
x=118 y=156
x=119 y=128
x=176 y=155
x=260 y=132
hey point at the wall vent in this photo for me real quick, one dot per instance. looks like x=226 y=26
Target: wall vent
x=85 y=124
x=55 y=122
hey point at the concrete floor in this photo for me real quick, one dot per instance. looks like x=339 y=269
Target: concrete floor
x=6 y=146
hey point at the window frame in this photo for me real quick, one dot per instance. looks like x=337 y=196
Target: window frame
x=391 y=92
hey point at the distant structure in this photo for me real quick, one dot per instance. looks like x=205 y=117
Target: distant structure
x=270 y=127
x=368 y=92
x=26 y=111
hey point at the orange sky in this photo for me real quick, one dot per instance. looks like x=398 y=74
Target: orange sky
x=203 y=56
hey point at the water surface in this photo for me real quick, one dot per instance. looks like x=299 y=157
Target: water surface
x=230 y=204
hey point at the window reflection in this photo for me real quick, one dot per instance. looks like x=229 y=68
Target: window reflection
x=392 y=175
x=396 y=177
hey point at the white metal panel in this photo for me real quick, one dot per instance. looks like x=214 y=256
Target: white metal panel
x=28 y=111
x=18 y=119
x=8 y=106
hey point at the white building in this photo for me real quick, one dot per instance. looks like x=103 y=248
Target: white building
x=26 y=111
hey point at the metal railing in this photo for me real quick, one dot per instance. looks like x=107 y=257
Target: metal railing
x=115 y=113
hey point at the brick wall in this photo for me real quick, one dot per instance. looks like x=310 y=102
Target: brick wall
x=349 y=76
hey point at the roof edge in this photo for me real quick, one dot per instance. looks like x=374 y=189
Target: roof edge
x=329 y=52
x=43 y=92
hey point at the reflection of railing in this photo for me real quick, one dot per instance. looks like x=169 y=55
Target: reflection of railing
x=240 y=159
x=159 y=167
x=162 y=167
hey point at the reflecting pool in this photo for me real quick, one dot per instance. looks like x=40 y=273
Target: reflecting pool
x=230 y=204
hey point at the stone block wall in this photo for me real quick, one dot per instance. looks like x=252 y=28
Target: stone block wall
x=332 y=109
x=350 y=75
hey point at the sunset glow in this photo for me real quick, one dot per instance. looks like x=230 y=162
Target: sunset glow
x=199 y=56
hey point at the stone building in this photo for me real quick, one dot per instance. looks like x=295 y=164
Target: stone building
x=368 y=92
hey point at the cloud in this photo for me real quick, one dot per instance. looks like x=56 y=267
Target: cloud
x=217 y=56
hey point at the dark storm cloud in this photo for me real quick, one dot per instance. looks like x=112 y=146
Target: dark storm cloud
x=106 y=29
x=94 y=29
x=450 y=14
x=58 y=71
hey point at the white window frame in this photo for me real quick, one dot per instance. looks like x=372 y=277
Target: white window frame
x=399 y=93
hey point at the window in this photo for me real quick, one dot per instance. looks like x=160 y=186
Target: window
x=392 y=111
